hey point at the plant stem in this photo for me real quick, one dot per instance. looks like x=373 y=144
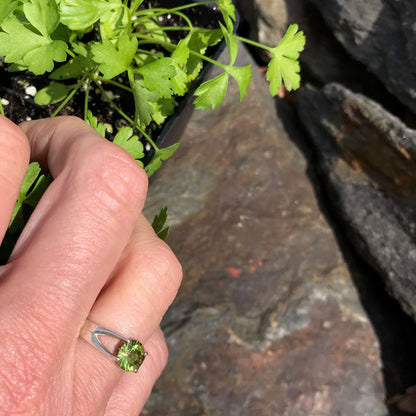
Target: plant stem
x=135 y=5
x=69 y=96
x=253 y=43
x=86 y=97
x=115 y=83
x=171 y=46
x=69 y=52
x=113 y=104
x=1 y=108
x=159 y=12
x=127 y=118
x=147 y=137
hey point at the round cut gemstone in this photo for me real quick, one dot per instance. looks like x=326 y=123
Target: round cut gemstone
x=131 y=355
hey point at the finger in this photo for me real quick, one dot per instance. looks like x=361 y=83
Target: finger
x=80 y=227
x=14 y=159
x=133 y=390
x=133 y=303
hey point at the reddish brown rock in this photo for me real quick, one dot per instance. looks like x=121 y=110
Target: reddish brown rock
x=268 y=320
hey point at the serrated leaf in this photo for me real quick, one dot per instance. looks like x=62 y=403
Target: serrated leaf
x=157 y=76
x=79 y=49
x=81 y=14
x=212 y=93
x=232 y=44
x=114 y=22
x=162 y=108
x=93 y=122
x=179 y=58
x=142 y=98
x=158 y=157
x=52 y=94
x=42 y=14
x=129 y=142
x=153 y=27
x=22 y=46
x=113 y=61
x=159 y=222
x=284 y=65
x=228 y=12
x=243 y=77
x=6 y=9
x=42 y=59
x=31 y=176
x=73 y=69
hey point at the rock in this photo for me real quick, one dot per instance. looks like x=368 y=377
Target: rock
x=381 y=34
x=268 y=320
x=324 y=59
x=368 y=158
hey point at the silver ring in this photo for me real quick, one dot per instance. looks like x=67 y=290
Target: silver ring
x=129 y=353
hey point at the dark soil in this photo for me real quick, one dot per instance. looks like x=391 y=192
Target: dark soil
x=20 y=106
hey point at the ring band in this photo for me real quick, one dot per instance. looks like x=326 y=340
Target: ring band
x=129 y=353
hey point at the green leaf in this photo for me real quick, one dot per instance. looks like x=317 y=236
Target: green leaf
x=42 y=14
x=228 y=12
x=93 y=122
x=81 y=14
x=53 y=93
x=157 y=76
x=73 y=69
x=243 y=77
x=22 y=46
x=34 y=195
x=158 y=157
x=284 y=64
x=142 y=98
x=28 y=186
x=162 y=108
x=112 y=61
x=114 y=22
x=6 y=9
x=180 y=58
x=129 y=142
x=232 y=44
x=152 y=26
x=159 y=222
x=212 y=93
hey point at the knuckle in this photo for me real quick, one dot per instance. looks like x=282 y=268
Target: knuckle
x=115 y=178
x=166 y=267
x=159 y=353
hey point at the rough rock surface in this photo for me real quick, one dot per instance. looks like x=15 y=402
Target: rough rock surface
x=381 y=34
x=324 y=58
x=369 y=160
x=268 y=320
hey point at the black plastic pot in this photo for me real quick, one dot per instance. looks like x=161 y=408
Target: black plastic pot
x=207 y=15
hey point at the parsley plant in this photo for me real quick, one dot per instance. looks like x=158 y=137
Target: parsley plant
x=86 y=44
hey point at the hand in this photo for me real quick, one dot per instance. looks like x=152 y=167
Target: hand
x=86 y=252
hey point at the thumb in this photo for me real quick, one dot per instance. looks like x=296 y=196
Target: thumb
x=14 y=160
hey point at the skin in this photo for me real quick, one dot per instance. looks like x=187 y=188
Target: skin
x=87 y=252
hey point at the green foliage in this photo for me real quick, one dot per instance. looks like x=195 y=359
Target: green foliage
x=85 y=44
x=285 y=65
x=127 y=140
x=159 y=222
x=33 y=186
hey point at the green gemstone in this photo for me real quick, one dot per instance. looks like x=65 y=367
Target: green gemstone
x=131 y=355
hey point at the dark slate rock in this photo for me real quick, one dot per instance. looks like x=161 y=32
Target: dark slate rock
x=368 y=158
x=324 y=58
x=381 y=34
x=268 y=320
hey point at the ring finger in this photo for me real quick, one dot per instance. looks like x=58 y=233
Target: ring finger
x=142 y=286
